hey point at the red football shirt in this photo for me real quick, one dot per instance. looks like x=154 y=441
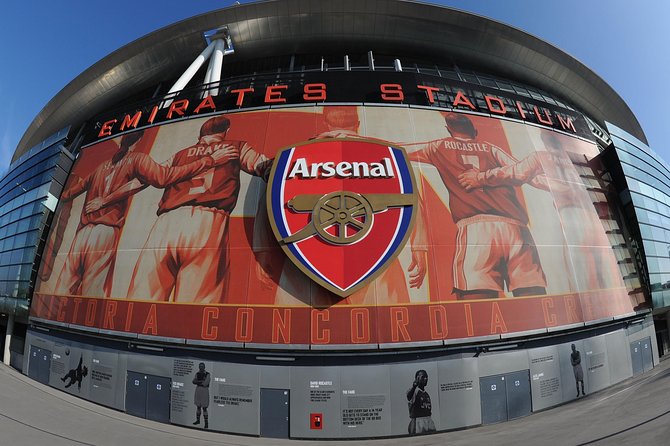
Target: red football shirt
x=453 y=156
x=109 y=177
x=217 y=187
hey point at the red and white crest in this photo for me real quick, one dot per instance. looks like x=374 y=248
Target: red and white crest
x=342 y=209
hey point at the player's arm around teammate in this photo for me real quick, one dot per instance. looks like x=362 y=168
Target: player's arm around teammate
x=149 y=173
x=80 y=186
x=254 y=163
x=157 y=175
x=529 y=170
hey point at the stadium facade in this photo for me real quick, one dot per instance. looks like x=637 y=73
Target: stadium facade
x=309 y=219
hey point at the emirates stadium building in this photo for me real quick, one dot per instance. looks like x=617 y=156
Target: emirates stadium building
x=196 y=229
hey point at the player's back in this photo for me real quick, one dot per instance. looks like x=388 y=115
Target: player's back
x=454 y=156
x=106 y=179
x=217 y=187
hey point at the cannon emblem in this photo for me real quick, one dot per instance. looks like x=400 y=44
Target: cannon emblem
x=342 y=217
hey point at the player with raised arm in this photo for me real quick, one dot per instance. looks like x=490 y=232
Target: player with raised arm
x=420 y=407
x=89 y=264
x=494 y=247
x=185 y=257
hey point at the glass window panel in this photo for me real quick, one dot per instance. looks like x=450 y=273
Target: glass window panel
x=23 y=225
x=657 y=233
x=15 y=215
x=32 y=195
x=654 y=218
x=505 y=86
x=521 y=90
x=470 y=78
x=32 y=238
x=28 y=254
x=646 y=189
x=645 y=231
x=13 y=272
x=23 y=288
x=650 y=204
x=20 y=240
x=652 y=264
x=37 y=207
x=650 y=248
x=27 y=211
x=487 y=81
x=17 y=256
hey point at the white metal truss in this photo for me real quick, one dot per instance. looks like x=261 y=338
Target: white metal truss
x=220 y=44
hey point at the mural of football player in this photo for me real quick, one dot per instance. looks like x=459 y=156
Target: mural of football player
x=553 y=170
x=185 y=257
x=344 y=122
x=89 y=264
x=494 y=247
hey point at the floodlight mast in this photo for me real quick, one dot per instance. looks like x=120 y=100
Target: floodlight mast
x=219 y=44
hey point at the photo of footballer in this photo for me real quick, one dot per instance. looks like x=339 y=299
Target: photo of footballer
x=420 y=407
x=576 y=362
x=201 y=380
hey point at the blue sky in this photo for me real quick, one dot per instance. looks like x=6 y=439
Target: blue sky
x=44 y=44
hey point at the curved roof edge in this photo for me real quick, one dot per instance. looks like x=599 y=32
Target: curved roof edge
x=399 y=27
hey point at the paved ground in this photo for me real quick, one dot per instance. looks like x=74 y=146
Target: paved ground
x=636 y=411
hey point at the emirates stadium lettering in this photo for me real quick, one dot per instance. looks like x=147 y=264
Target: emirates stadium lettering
x=245 y=96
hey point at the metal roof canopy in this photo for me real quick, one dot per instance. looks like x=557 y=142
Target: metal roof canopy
x=398 y=27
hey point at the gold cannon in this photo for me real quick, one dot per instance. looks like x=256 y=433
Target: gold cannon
x=343 y=209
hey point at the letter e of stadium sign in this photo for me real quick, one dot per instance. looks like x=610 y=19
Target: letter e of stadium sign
x=342 y=209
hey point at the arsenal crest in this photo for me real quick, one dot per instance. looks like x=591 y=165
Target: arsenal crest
x=342 y=209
